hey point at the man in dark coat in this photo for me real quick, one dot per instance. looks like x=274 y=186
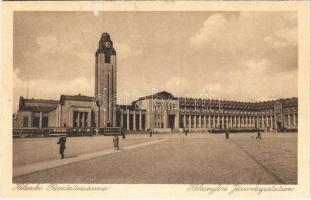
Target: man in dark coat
x=62 y=146
x=227 y=135
x=258 y=135
x=123 y=133
x=150 y=132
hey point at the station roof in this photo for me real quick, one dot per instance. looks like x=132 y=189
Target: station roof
x=159 y=95
x=37 y=105
x=78 y=97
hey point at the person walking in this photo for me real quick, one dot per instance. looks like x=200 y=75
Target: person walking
x=150 y=132
x=62 y=146
x=227 y=135
x=115 y=142
x=258 y=135
x=123 y=133
x=186 y=131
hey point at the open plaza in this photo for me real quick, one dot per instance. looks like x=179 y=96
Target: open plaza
x=167 y=158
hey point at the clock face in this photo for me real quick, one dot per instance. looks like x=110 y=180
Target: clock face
x=107 y=44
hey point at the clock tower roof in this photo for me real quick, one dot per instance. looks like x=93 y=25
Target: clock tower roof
x=105 y=37
x=105 y=45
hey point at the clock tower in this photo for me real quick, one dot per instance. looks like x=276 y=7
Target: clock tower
x=105 y=82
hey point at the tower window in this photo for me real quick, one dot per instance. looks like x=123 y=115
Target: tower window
x=107 y=57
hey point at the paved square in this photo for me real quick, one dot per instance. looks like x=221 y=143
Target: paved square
x=32 y=150
x=193 y=159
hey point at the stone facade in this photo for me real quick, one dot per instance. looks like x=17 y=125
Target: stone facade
x=166 y=113
x=162 y=112
x=69 y=111
x=76 y=111
x=34 y=112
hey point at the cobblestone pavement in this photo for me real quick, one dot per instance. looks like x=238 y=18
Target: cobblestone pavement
x=193 y=159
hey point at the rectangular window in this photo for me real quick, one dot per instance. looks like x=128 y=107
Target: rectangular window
x=45 y=122
x=143 y=121
x=36 y=119
x=75 y=119
x=124 y=121
x=86 y=118
x=80 y=119
x=36 y=122
x=25 y=122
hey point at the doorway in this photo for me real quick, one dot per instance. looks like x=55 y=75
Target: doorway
x=279 y=126
x=171 y=121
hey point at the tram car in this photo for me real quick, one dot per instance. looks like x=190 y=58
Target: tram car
x=70 y=132
x=235 y=130
x=108 y=131
x=27 y=132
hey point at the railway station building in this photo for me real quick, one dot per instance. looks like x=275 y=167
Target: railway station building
x=161 y=112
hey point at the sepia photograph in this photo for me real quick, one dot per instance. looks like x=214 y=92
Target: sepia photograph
x=194 y=98
x=177 y=95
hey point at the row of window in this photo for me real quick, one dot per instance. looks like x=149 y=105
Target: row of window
x=214 y=118
x=36 y=122
x=80 y=119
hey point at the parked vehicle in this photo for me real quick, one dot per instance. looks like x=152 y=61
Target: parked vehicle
x=27 y=132
x=234 y=130
x=70 y=132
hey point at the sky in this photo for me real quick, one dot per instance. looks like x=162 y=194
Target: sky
x=244 y=56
